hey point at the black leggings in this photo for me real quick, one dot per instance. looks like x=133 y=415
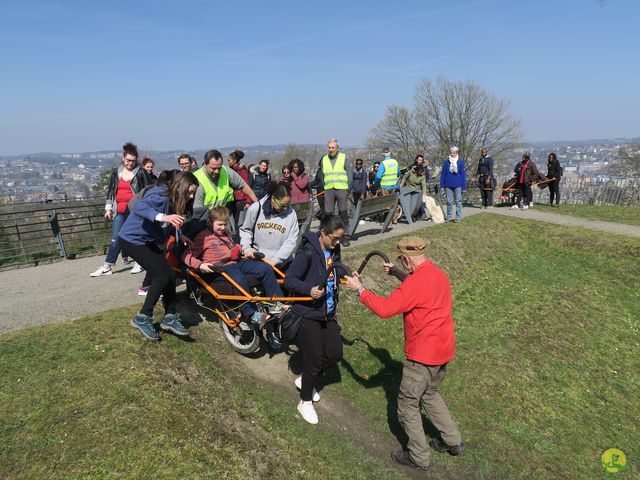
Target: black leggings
x=163 y=279
x=554 y=191
x=321 y=347
x=487 y=196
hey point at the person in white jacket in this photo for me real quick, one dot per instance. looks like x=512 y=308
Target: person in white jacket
x=271 y=226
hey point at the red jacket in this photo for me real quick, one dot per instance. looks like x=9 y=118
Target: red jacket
x=210 y=248
x=241 y=169
x=424 y=299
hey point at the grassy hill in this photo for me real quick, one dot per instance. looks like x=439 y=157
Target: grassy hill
x=545 y=379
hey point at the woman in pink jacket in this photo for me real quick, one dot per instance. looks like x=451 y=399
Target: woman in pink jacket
x=299 y=182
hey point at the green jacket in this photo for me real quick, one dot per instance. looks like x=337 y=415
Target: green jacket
x=413 y=180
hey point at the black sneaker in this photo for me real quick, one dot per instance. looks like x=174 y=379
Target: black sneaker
x=345 y=242
x=403 y=458
x=441 y=447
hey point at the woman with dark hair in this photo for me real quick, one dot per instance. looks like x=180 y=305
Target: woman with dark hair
x=554 y=171
x=239 y=204
x=126 y=181
x=260 y=176
x=299 y=182
x=142 y=238
x=526 y=172
x=271 y=226
x=286 y=176
x=148 y=164
x=319 y=335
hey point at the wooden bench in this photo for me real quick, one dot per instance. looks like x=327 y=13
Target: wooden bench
x=374 y=206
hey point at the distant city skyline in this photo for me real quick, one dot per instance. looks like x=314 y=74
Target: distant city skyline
x=87 y=77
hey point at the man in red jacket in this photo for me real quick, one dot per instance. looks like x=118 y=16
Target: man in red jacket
x=424 y=299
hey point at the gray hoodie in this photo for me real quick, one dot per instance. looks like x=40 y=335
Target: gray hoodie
x=274 y=234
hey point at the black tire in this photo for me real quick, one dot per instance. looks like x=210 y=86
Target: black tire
x=245 y=339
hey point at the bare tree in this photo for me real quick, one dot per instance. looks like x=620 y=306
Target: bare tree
x=309 y=154
x=447 y=113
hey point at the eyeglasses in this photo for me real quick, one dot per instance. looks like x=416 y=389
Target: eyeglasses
x=279 y=204
x=286 y=172
x=334 y=239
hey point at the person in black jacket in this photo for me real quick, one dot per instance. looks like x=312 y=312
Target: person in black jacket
x=319 y=336
x=554 y=170
x=260 y=176
x=359 y=182
x=485 y=178
x=126 y=181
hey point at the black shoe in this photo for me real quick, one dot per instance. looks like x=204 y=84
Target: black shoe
x=441 y=447
x=403 y=458
x=345 y=242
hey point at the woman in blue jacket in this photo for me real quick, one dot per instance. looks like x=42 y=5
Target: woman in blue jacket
x=319 y=336
x=453 y=179
x=142 y=238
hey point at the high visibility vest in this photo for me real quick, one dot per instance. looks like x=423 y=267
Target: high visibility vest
x=390 y=176
x=335 y=176
x=215 y=196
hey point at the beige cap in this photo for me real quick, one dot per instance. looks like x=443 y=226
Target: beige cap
x=411 y=246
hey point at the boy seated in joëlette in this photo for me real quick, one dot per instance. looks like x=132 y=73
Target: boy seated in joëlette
x=214 y=246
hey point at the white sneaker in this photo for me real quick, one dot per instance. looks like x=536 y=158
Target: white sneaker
x=308 y=412
x=101 y=271
x=361 y=222
x=514 y=207
x=136 y=268
x=316 y=395
x=526 y=207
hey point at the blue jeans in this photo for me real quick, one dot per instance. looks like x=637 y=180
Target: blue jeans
x=114 y=247
x=262 y=272
x=451 y=194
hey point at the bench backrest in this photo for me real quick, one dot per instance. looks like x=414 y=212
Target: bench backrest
x=303 y=210
x=374 y=205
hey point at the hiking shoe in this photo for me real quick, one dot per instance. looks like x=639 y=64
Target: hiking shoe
x=259 y=319
x=101 y=272
x=171 y=323
x=441 y=447
x=279 y=307
x=308 y=412
x=274 y=342
x=142 y=290
x=403 y=458
x=136 y=268
x=345 y=242
x=316 y=395
x=144 y=323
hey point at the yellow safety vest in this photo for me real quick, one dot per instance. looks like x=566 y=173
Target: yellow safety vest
x=215 y=196
x=335 y=177
x=390 y=176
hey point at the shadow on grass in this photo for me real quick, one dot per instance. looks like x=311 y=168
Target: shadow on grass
x=389 y=378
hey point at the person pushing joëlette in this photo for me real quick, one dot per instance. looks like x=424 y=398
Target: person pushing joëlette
x=424 y=300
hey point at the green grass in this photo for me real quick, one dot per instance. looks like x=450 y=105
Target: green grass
x=607 y=213
x=546 y=377
x=90 y=399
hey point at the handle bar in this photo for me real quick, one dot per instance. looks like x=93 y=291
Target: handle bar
x=375 y=253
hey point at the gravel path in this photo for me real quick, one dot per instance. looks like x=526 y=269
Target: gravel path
x=64 y=291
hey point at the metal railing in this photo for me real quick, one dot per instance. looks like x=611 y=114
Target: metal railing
x=33 y=233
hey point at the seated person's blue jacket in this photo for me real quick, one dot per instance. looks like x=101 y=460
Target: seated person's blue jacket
x=453 y=180
x=301 y=279
x=141 y=226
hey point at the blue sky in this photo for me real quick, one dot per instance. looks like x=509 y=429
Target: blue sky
x=81 y=75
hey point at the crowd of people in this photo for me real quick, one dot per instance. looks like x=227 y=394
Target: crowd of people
x=250 y=228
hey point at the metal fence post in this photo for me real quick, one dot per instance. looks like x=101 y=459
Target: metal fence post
x=55 y=228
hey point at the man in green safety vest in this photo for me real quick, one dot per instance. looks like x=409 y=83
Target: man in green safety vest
x=217 y=183
x=337 y=172
x=388 y=173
